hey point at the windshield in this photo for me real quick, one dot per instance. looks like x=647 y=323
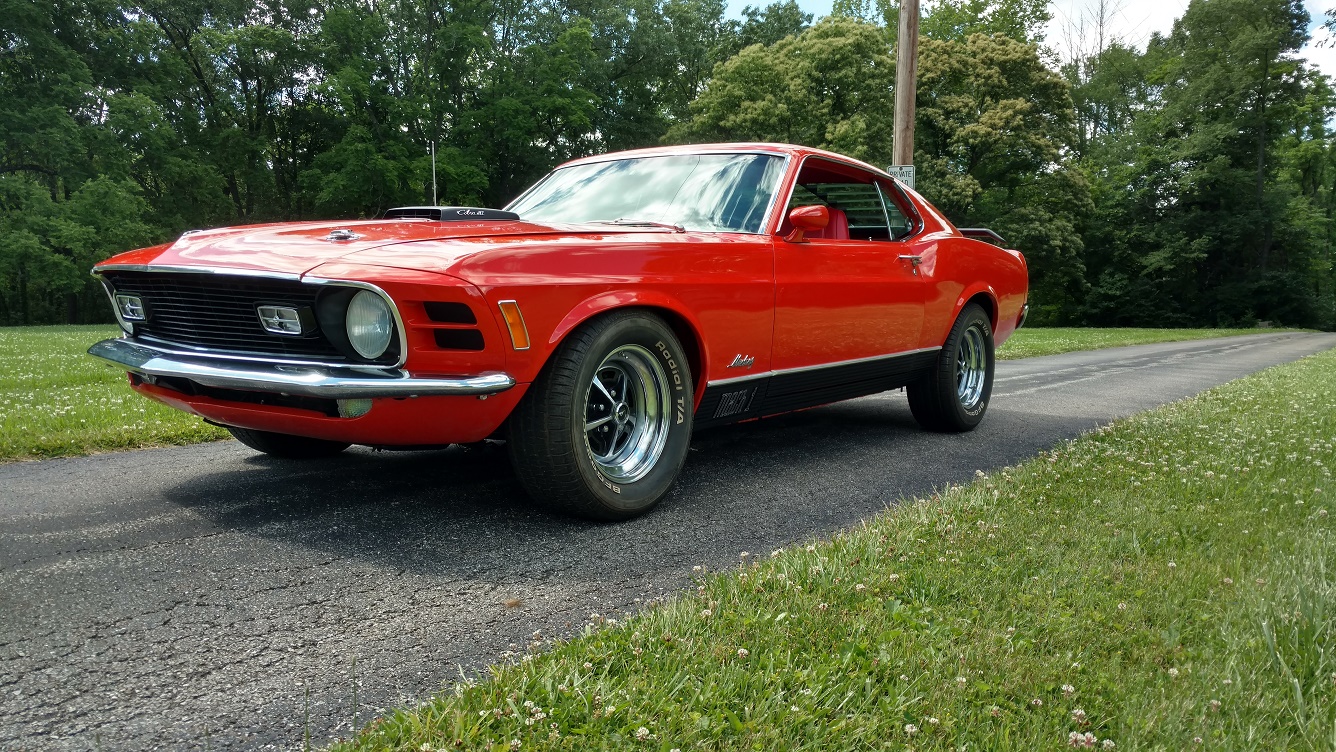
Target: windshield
x=703 y=192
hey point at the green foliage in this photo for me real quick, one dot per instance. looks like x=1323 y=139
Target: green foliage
x=768 y=25
x=1209 y=155
x=829 y=87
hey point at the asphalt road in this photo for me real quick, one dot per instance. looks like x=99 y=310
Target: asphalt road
x=208 y=597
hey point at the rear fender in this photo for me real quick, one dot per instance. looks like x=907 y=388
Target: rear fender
x=978 y=289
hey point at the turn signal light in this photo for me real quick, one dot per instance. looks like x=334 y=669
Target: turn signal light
x=519 y=334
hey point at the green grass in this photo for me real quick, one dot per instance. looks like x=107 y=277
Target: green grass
x=1029 y=342
x=56 y=401
x=1162 y=583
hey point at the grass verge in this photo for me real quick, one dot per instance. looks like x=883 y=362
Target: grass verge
x=1159 y=584
x=56 y=401
x=1029 y=342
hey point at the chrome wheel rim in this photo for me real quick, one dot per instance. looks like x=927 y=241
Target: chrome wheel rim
x=971 y=368
x=627 y=409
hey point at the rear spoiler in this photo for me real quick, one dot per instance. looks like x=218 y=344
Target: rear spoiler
x=982 y=233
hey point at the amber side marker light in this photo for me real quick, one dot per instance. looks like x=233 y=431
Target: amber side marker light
x=519 y=334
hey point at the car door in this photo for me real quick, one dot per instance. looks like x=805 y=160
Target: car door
x=852 y=292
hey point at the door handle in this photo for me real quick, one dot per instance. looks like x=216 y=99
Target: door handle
x=916 y=260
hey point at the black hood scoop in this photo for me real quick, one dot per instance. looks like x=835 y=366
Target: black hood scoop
x=450 y=213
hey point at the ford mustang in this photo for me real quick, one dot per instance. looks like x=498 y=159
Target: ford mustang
x=611 y=309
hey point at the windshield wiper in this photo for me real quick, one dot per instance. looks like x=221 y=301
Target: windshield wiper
x=624 y=222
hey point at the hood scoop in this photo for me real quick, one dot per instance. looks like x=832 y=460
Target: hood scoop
x=450 y=213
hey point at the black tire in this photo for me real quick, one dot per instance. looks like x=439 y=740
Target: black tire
x=572 y=469
x=937 y=400
x=287 y=446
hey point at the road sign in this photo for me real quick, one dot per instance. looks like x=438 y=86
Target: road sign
x=903 y=173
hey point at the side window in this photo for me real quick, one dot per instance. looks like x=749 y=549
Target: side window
x=861 y=207
x=899 y=223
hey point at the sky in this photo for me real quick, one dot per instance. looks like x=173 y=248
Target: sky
x=1134 y=22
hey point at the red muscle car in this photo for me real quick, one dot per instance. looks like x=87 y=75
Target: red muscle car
x=618 y=304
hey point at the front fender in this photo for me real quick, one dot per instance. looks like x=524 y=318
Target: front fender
x=653 y=299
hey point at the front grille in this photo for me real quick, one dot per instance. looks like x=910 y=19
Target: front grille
x=217 y=312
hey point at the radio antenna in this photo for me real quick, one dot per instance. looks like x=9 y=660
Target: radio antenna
x=434 y=202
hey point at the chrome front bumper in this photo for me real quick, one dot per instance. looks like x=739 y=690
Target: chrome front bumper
x=303 y=380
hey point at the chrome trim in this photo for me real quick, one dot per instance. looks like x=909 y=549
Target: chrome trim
x=1025 y=313
x=125 y=326
x=97 y=270
x=191 y=351
x=739 y=379
x=286 y=276
x=837 y=364
x=329 y=383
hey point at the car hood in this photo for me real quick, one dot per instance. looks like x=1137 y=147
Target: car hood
x=298 y=247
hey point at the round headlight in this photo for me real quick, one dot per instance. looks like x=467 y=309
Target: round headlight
x=370 y=324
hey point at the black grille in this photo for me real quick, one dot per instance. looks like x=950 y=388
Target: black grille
x=217 y=312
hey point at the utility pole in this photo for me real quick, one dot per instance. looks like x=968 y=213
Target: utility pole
x=434 y=202
x=906 y=74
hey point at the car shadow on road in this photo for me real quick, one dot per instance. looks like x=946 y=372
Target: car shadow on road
x=462 y=510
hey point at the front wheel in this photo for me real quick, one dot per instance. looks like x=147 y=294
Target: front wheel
x=604 y=430
x=285 y=445
x=953 y=397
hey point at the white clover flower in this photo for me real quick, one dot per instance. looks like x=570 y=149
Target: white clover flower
x=515 y=744
x=1079 y=716
x=706 y=613
x=860 y=587
x=1037 y=702
x=588 y=665
x=1068 y=690
x=1108 y=744
x=893 y=577
x=743 y=653
x=1173 y=673
x=961 y=681
x=933 y=721
x=911 y=729
x=642 y=734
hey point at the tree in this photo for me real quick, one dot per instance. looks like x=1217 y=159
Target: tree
x=1201 y=217
x=768 y=25
x=829 y=87
x=994 y=124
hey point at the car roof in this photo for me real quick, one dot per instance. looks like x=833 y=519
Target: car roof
x=758 y=147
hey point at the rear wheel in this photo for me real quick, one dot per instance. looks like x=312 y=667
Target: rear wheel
x=604 y=430
x=285 y=445
x=954 y=396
